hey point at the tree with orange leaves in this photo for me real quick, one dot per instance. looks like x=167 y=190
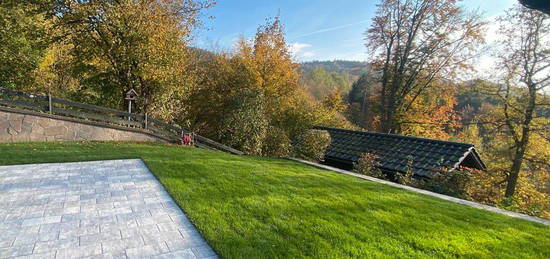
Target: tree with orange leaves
x=414 y=44
x=277 y=73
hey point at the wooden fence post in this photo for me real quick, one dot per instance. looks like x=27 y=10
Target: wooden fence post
x=145 y=120
x=49 y=102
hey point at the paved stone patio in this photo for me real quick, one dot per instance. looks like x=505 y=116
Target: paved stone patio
x=102 y=209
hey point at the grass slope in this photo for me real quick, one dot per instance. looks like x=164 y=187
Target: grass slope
x=251 y=207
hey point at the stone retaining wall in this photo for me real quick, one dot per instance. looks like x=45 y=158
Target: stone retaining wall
x=29 y=126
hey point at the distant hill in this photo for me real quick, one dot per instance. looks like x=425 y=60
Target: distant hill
x=355 y=68
x=320 y=78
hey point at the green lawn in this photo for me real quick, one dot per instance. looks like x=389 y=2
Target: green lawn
x=252 y=207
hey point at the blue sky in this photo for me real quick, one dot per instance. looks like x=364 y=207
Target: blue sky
x=315 y=29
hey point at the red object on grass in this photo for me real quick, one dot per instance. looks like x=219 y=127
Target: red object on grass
x=187 y=139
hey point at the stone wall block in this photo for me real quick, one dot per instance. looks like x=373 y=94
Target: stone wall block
x=4 y=126
x=43 y=122
x=27 y=125
x=113 y=134
x=16 y=116
x=21 y=138
x=70 y=135
x=84 y=133
x=5 y=136
x=37 y=129
x=12 y=131
x=37 y=137
x=55 y=130
x=16 y=122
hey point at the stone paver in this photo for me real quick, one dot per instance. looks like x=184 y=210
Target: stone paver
x=101 y=209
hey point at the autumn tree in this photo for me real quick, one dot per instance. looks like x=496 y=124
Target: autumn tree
x=432 y=115
x=227 y=103
x=276 y=72
x=54 y=73
x=525 y=62
x=414 y=43
x=127 y=44
x=287 y=107
x=487 y=130
x=23 y=39
x=249 y=97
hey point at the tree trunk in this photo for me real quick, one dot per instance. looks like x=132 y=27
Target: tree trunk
x=522 y=144
x=364 y=100
x=514 y=171
x=388 y=120
x=389 y=124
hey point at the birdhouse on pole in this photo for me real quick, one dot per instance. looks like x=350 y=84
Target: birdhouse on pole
x=131 y=95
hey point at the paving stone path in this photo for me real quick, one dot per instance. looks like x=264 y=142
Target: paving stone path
x=102 y=209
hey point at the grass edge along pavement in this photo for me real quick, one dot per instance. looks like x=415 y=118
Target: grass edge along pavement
x=256 y=207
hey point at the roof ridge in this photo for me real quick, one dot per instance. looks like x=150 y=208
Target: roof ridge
x=396 y=136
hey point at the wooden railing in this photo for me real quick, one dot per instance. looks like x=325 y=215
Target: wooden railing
x=106 y=116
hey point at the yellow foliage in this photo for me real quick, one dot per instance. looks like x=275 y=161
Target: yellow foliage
x=533 y=190
x=432 y=114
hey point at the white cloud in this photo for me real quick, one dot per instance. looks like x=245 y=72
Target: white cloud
x=298 y=47
x=300 y=50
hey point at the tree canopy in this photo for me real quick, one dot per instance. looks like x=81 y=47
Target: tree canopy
x=414 y=44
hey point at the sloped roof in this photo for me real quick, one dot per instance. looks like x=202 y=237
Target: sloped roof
x=393 y=151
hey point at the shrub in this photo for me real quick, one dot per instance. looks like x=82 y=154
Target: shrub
x=277 y=143
x=368 y=164
x=407 y=178
x=453 y=183
x=488 y=188
x=245 y=127
x=485 y=187
x=311 y=145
